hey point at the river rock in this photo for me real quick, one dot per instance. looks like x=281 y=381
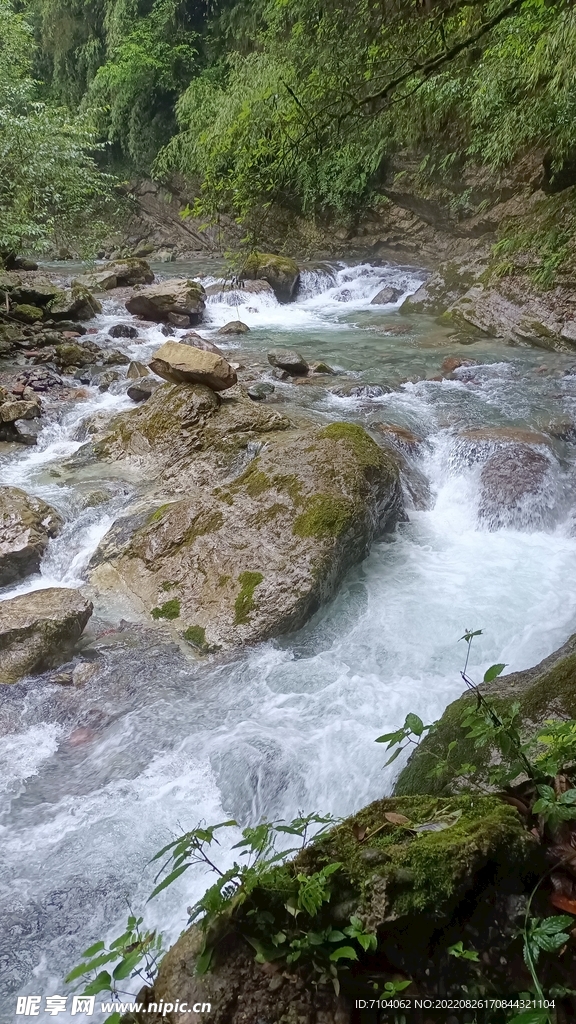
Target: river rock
x=120 y=273
x=39 y=629
x=179 y=296
x=386 y=296
x=27 y=431
x=257 y=392
x=361 y=390
x=288 y=360
x=234 y=327
x=35 y=290
x=136 y=370
x=26 y=313
x=317 y=366
x=75 y=303
x=281 y=273
x=19 y=410
x=236 y=291
x=509 y=478
x=26 y=525
x=249 y=553
x=451 y=363
x=141 y=389
x=123 y=331
x=196 y=341
x=184 y=364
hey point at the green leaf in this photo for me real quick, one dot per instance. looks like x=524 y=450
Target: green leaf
x=125 y=968
x=550 y=925
x=493 y=672
x=394 y=756
x=344 y=953
x=531 y=1017
x=90 y=965
x=204 y=960
x=167 y=881
x=114 y=1018
x=93 y=949
x=392 y=737
x=415 y=724
x=102 y=983
x=336 y=936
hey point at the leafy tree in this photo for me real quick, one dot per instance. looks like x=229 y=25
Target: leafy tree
x=50 y=186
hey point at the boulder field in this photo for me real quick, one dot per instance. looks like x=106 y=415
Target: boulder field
x=256 y=521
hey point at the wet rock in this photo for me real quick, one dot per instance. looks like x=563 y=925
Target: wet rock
x=196 y=341
x=442 y=288
x=40 y=379
x=19 y=410
x=479 y=441
x=39 y=629
x=23 y=263
x=279 y=374
x=136 y=370
x=319 y=367
x=71 y=354
x=400 y=436
x=239 y=287
x=508 y=478
x=251 y=546
x=451 y=363
x=105 y=379
x=234 y=327
x=288 y=360
x=141 y=390
x=66 y=325
x=257 y=392
x=26 y=525
x=76 y=303
x=120 y=273
x=123 y=331
x=27 y=431
x=361 y=390
x=185 y=364
x=385 y=296
x=281 y=273
x=180 y=297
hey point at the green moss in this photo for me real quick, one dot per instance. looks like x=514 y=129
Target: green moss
x=289 y=484
x=157 y=515
x=367 y=453
x=324 y=516
x=206 y=522
x=223 y=580
x=196 y=635
x=168 y=610
x=168 y=585
x=244 y=603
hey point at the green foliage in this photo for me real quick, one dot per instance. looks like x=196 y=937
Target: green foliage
x=134 y=953
x=50 y=187
x=460 y=953
x=555 y=808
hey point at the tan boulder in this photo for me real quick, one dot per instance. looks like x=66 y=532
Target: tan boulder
x=178 y=301
x=38 y=630
x=186 y=364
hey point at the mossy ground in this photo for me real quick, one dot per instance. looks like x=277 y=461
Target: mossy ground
x=324 y=516
x=168 y=610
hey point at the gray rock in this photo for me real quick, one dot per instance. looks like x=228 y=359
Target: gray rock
x=361 y=390
x=119 y=273
x=77 y=302
x=141 y=390
x=196 y=341
x=281 y=273
x=234 y=327
x=286 y=359
x=19 y=410
x=26 y=525
x=136 y=370
x=385 y=296
x=179 y=297
x=123 y=331
x=257 y=392
x=27 y=431
x=251 y=552
x=38 y=630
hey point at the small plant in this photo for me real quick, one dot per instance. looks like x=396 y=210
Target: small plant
x=412 y=731
x=460 y=953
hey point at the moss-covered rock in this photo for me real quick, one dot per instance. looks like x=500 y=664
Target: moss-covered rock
x=546 y=691
x=406 y=886
x=263 y=520
x=281 y=273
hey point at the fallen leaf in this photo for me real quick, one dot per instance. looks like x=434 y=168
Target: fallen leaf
x=397 y=819
x=563 y=903
x=359 y=832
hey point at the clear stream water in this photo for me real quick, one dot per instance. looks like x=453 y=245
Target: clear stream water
x=290 y=725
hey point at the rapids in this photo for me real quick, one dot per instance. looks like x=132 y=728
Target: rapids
x=290 y=725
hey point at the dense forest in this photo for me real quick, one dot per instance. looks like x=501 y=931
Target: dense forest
x=260 y=102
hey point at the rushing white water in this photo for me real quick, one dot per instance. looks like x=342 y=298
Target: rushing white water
x=171 y=740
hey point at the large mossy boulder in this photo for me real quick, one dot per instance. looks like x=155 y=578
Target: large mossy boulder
x=258 y=523
x=281 y=273
x=546 y=691
x=26 y=525
x=405 y=867
x=74 y=303
x=178 y=301
x=38 y=630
